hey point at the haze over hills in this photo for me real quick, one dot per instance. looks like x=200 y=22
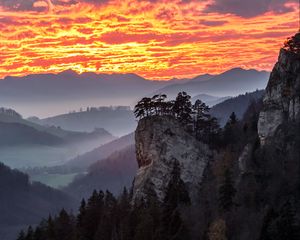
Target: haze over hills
x=230 y=83
x=85 y=160
x=60 y=175
x=43 y=95
x=117 y=120
x=67 y=136
x=27 y=144
x=113 y=173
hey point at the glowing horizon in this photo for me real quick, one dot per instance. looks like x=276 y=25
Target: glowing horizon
x=154 y=39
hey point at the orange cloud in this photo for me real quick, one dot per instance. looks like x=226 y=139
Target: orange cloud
x=156 y=39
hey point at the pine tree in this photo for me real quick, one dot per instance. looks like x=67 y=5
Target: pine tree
x=21 y=235
x=50 y=231
x=64 y=226
x=201 y=115
x=93 y=212
x=183 y=108
x=232 y=132
x=172 y=226
x=233 y=119
x=286 y=224
x=124 y=210
x=282 y=225
x=226 y=192
x=38 y=233
x=30 y=233
x=80 y=220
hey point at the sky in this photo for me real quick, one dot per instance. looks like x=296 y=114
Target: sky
x=157 y=39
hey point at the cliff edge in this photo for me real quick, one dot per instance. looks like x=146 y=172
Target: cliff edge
x=160 y=141
x=282 y=98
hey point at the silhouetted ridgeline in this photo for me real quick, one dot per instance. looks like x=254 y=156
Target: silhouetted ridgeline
x=117 y=120
x=237 y=104
x=230 y=83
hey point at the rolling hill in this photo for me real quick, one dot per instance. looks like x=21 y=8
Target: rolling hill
x=24 y=203
x=112 y=173
x=27 y=144
x=237 y=104
x=15 y=134
x=117 y=120
x=85 y=160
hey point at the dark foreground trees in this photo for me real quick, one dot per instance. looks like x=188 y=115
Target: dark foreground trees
x=104 y=217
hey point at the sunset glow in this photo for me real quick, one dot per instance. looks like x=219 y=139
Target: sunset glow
x=155 y=39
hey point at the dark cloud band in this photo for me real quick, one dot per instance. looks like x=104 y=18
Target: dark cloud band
x=247 y=8
x=243 y=8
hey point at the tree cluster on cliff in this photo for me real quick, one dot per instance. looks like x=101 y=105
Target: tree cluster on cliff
x=195 y=117
x=293 y=44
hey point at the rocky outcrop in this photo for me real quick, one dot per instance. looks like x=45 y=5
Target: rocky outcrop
x=160 y=141
x=282 y=98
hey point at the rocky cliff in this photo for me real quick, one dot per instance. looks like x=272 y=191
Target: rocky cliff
x=282 y=98
x=248 y=190
x=160 y=141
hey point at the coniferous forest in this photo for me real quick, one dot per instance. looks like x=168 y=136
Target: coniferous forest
x=105 y=216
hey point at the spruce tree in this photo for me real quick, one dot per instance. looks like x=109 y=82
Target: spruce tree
x=81 y=220
x=183 y=108
x=172 y=226
x=287 y=225
x=30 y=233
x=226 y=192
x=21 y=235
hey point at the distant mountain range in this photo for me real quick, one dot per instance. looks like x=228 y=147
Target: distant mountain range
x=45 y=94
x=230 y=83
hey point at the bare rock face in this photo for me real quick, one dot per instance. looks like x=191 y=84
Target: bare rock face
x=282 y=98
x=159 y=142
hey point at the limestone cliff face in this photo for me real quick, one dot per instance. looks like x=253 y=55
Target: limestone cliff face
x=282 y=98
x=159 y=142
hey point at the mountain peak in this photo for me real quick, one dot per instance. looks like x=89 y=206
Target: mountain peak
x=68 y=72
x=240 y=70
